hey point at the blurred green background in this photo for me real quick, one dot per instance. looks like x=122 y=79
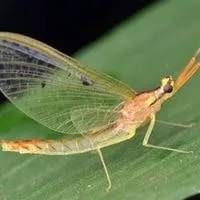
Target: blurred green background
x=157 y=42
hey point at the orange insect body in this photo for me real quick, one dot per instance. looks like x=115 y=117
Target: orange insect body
x=22 y=77
x=135 y=112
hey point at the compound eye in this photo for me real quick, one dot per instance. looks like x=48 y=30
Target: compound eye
x=168 y=88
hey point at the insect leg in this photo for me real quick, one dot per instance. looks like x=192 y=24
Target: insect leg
x=105 y=168
x=188 y=71
x=147 y=135
x=190 y=63
x=176 y=124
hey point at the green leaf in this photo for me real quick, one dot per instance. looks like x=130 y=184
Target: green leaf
x=157 y=42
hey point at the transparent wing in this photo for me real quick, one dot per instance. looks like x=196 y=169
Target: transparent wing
x=90 y=119
x=55 y=89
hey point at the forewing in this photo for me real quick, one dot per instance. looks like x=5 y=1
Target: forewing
x=52 y=88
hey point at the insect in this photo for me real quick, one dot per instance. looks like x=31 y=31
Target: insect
x=68 y=97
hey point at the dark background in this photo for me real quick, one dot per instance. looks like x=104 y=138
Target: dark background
x=66 y=25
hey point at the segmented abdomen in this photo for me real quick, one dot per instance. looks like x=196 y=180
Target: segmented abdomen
x=49 y=147
x=101 y=138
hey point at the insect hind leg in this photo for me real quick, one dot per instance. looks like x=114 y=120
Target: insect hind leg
x=176 y=124
x=105 y=169
x=147 y=135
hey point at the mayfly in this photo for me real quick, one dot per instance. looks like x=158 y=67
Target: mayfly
x=68 y=97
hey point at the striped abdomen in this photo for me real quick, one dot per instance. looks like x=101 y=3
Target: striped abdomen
x=49 y=147
x=104 y=137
